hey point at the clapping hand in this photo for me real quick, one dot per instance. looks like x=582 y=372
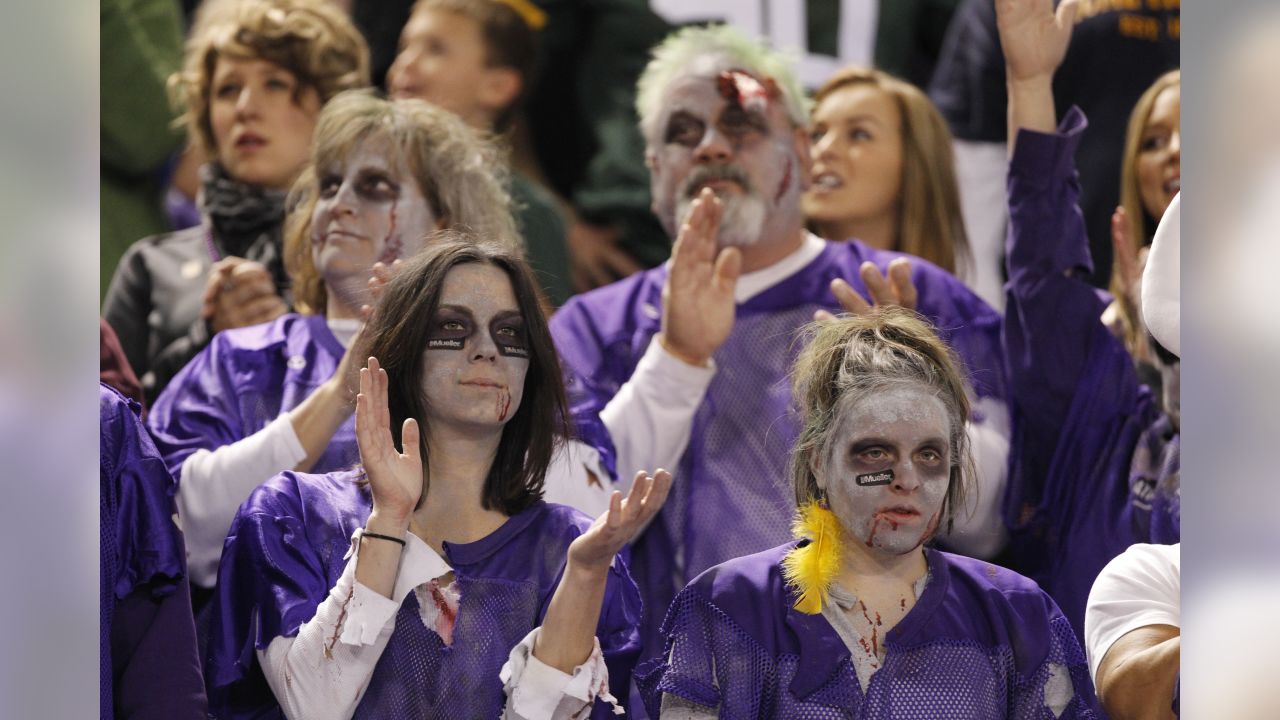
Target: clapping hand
x=395 y=478
x=698 y=305
x=893 y=288
x=593 y=551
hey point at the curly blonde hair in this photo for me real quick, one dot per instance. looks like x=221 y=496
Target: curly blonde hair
x=310 y=38
x=855 y=356
x=459 y=171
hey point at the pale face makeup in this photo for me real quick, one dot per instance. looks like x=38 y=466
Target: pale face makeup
x=887 y=467
x=262 y=132
x=368 y=210
x=477 y=352
x=746 y=155
x=1159 y=163
x=857 y=160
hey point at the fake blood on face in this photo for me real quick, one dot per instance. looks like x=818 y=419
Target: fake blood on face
x=392 y=246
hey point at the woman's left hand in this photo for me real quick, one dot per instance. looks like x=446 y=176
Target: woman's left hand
x=595 y=548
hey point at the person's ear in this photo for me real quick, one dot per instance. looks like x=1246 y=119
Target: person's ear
x=800 y=141
x=816 y=469
x=499 y=88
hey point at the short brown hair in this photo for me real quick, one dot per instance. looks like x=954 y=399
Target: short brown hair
x=509 y=42
x=310 y=38
x=397 y=336
x=458 y=171
x=930 y=224
x=857 y=355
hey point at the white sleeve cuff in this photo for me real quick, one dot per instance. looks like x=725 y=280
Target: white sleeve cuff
x=535 y=689
x=367 y=611
x=651 y=416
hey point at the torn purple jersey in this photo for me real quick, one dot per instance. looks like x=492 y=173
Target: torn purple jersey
x=980 y=642
x=1095 y=461
x=286 y=551
x=733 y=495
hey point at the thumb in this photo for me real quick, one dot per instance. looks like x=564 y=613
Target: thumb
x=409 y=437
x=1066 y=13
x=728 y=267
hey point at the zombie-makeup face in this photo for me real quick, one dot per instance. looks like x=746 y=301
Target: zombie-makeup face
x=887 y=467
x=477 y=352
x=369 y=209
x=728 y=130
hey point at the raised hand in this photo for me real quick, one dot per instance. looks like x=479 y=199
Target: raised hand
x=893 y=288
x=395 y=478
x=593 y=551
x=1034 y=36
x=1129 y=265
x=697 y=302
x=380 y=275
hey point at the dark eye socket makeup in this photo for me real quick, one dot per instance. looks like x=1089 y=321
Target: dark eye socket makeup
x=454 y=324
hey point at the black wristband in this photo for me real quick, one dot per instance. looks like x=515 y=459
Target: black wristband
x=368 y=534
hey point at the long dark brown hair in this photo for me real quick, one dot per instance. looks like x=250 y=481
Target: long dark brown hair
x=397 y=336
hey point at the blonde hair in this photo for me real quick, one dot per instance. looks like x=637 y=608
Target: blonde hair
x=458 y=170
x=310 y=38
x=1141 y=226
x=930 y=224
x=855 y=356
x=675 y=55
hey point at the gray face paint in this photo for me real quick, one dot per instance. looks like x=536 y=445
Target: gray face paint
x=888 y=466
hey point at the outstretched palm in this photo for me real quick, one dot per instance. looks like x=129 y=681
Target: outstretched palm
x=697 y=301
x=595 y=548
x=395 y=478
x=1034 y=36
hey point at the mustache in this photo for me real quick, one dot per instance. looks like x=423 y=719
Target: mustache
x=707 y=173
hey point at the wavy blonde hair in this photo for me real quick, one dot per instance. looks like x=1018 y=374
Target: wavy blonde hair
x=310 y=38
x=460 y=173
x=856 y=356
x=930 y=224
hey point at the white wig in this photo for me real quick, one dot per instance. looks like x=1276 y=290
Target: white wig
x=711 y=50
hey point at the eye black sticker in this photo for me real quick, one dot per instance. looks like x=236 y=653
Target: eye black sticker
x=884 y=477
x=444 y=344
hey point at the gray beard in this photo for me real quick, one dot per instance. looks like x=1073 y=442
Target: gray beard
x=740 y=224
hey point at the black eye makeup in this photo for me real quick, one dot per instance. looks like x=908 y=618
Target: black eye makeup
x=507 y=330
x=736 y=121
x=685 y=129
x=450 y=329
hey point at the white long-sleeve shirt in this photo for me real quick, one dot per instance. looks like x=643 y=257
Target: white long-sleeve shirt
x=324 y=670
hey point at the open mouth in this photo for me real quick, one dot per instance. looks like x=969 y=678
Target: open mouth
x=899 y=514
x=250 y=141
x=1173 y=185
x=827 y=181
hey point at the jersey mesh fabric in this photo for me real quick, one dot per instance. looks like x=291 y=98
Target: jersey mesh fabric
x=418 y=676
x=714 y=662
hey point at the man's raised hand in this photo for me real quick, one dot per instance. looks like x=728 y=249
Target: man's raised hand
x=698 y=305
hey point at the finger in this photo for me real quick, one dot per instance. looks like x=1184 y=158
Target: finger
x=409 y=438
x=248 y=270
x=822 y=316
x=727 y=269
x=1122 y=249
x=614 y=517
x=635 y=498
x=263 y=309
x=849 y=298
x=900 y=275
x=385 y=404
x=662 y=482
x=877 y=285
x=1066 y=14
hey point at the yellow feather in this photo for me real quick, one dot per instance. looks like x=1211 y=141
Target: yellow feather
x=811 y=569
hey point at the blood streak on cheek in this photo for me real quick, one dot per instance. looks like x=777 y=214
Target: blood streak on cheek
x=503 y=404
x=784 y=185
x=875 y=525
x=391 y=245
